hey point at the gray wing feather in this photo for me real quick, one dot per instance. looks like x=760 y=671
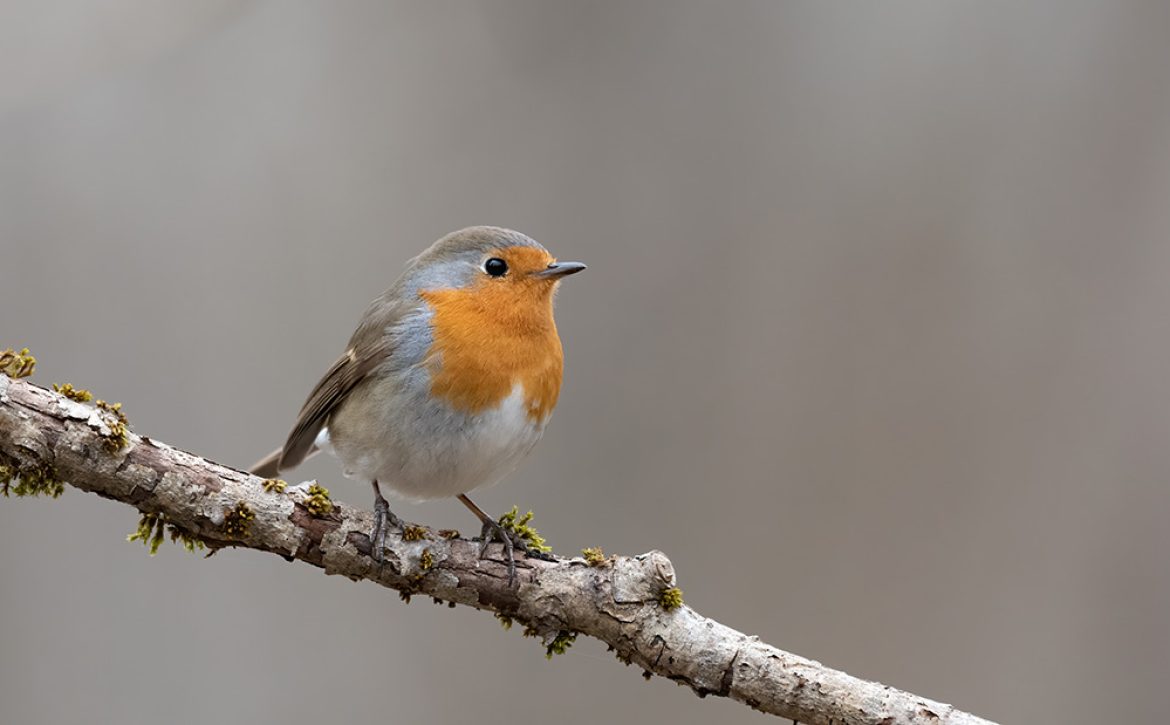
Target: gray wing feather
x=341 y=378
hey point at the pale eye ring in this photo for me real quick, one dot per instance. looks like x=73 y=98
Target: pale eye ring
x=495 y=267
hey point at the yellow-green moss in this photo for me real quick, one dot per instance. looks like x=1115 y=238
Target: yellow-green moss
x=670 y=598
x=318 y=501
x=238 y=520
x=511 y=521
x=594 y=556
x=560 y=644
x=153 y=527
x=449 y=533
x=150 y=531
x=426 y=560
x=557 y=646
x=274 y=484
x=411 y=532
x=118 y=436
x=17 y=364
x=28 y=481
x=40 y=481
x=78 y=394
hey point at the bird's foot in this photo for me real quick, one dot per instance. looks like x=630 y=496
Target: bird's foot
x=384 y=518
x=492 y=531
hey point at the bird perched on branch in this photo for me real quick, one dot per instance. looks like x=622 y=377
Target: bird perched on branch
x=448 y=381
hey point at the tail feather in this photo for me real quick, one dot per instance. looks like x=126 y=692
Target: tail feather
x=269 y=466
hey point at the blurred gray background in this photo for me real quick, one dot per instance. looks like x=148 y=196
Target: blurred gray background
x=874 y=342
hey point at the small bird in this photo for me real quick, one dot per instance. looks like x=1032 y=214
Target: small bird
x=448 y=381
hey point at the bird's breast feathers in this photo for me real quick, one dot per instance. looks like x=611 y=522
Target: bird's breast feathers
x=487 y=344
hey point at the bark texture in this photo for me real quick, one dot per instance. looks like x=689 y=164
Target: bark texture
x=46 y=434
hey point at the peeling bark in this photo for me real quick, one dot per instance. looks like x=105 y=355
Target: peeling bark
x=617 y=602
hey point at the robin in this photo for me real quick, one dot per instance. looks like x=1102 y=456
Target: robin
x=448 y=381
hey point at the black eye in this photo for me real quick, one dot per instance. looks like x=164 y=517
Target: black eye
x=496 y=267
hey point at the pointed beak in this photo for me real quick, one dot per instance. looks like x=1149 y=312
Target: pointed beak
x=556 y=270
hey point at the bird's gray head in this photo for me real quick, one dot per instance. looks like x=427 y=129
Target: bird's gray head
x=486 y=255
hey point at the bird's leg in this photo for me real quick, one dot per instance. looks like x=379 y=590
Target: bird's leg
x=383 y=517
x=492 y=531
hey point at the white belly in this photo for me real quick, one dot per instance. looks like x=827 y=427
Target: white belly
x=424 y=455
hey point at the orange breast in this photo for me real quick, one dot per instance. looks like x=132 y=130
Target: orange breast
x=490 y=337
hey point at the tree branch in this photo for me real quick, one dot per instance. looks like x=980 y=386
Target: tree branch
x=46 y=438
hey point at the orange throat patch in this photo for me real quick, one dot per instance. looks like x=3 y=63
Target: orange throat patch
x=491 y=337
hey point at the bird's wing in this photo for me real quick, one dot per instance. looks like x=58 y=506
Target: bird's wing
x=369 y=347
